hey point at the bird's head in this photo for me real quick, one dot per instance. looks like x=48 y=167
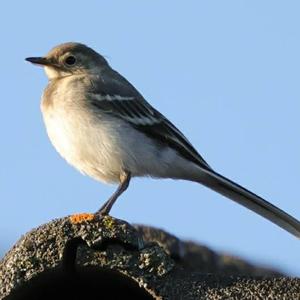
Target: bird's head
x=69 y=59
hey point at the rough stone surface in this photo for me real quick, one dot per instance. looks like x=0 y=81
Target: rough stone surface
x=144 y=258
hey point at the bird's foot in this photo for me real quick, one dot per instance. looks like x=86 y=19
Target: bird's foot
x=124 y=182
x=104 y=210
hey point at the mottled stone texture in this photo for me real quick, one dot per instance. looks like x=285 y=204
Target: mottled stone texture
x=87 y=257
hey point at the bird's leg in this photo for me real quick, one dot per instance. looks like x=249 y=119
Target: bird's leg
x=124 y=183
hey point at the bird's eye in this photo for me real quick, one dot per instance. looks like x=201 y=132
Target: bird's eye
x=70 y=60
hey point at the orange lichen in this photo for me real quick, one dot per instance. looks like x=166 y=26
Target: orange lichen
x=83 y=217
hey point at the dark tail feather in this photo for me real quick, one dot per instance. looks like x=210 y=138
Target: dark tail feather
x=237 y=193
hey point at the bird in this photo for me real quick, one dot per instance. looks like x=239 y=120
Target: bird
x=102 y=125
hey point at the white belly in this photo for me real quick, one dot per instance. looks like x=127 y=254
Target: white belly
x=87 y=145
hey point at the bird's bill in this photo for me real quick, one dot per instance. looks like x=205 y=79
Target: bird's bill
x=42 y=61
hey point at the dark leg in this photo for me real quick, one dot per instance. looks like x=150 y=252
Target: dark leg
x=124 y=183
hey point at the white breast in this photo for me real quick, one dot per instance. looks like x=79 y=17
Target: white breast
x=86 y=143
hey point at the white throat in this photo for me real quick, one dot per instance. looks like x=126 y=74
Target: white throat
x=52 y=73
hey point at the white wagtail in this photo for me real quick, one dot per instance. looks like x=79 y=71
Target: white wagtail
x=105 y=128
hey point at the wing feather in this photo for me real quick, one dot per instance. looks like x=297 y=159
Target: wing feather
x=120 y=99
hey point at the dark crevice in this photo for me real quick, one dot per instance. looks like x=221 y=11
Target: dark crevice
x=89 y=283
x=70 y=255
x=105 y=242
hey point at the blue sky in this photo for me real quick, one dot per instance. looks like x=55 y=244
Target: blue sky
x=225 y=72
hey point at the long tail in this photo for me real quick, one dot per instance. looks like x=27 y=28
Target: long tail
x=237 y=193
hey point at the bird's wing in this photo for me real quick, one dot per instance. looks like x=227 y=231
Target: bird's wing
x=117 y=97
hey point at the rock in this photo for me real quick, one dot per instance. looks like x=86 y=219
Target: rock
x=83 y=257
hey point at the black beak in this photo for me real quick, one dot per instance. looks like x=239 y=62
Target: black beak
x=38 y=60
